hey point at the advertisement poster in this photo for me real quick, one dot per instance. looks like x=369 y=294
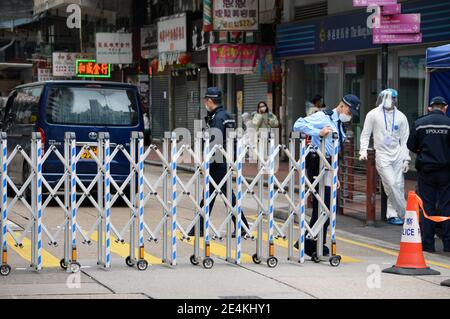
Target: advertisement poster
x=232 y=58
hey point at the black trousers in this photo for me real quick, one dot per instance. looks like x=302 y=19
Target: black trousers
x=434 y=190
x=312 y=169
x=217 y=173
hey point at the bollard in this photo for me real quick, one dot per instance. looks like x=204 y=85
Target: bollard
x=371 y=190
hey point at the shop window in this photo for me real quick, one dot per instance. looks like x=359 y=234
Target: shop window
x=411 y=86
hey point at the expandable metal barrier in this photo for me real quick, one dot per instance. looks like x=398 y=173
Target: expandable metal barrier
x=264 y=189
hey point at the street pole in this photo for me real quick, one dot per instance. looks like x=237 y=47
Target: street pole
x=384 y=86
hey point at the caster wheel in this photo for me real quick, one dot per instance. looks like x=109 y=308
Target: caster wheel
x=208 y=263
x=335 y=261
x=62 y=264
x=315 y=258
x=129 y=262
x=5 y=270
x=75 y=267
x=272 y=262
x=142 y=265
x=194 y=260
x=256 y=260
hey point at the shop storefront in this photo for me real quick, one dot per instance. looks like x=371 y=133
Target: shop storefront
x=334 y=56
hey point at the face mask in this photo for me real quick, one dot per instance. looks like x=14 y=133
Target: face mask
x=345 y=118
x=263 y=110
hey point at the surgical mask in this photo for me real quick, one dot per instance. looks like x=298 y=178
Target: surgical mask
x=263 y=109
x=345 y=118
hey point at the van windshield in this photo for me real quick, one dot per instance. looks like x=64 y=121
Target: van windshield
x=92 y=106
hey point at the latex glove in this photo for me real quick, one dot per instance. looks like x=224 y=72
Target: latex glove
x=363 y=156
x=405 y=167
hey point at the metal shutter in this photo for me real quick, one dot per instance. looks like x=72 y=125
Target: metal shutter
x=193 y=104
x=180 y=101
x=254 y=92
x=160 y=105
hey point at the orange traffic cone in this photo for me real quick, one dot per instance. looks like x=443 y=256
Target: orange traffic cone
x=411 y=260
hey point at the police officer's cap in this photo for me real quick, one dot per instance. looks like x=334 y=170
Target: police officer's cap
x=438 y=100
x=353 y=102
x=213 y=93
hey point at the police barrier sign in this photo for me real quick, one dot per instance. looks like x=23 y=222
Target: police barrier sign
x=411 y=229
x=92 y=69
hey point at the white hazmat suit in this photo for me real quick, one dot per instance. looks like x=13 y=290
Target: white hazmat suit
x=390 y=131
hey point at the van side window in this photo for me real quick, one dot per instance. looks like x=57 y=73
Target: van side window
x=26 y=105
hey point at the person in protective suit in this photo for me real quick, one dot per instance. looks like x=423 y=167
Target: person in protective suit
x=218 y=120
x=390 y=130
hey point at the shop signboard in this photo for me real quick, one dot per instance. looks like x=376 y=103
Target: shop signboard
x=367 y=3
x=172 y=34
x=149 y=42
x=92 y=69
x=232 y=58
x=235 y=15
x=114 y=48
x=44 y=75
x=64 y=63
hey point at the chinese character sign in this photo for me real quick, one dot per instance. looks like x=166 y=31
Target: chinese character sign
x=64 y=63
x=92 y=69
x=232 y=58
x=45 y=75
x=114 y=48
x=235 y=15
x=172 y=34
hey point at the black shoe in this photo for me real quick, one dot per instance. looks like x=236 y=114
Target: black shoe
x=429 y=249
x=243 y=234
x=192 y=233
x=309 y=252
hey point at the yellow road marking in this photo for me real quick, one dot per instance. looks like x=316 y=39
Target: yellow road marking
x=372 y=247
x=218 y=249
x=123 y=250
x=48 y=260
x=282 y=243
x=387 y=251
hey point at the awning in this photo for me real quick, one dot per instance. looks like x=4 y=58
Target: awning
x=439 y=57
x=15 y=66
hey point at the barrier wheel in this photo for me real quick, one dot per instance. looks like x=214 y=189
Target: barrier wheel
x=256 y=260
x=194 y=260
x=142 y=265
x=315 y=258
x=208 y=263
x=5 y=270
x=75 y=267
x=129 y=262
x=62 y=264
x=272 y=262
x=335 y=261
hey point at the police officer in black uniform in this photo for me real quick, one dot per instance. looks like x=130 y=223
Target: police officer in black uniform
x=430 y=140
x=218 y=119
